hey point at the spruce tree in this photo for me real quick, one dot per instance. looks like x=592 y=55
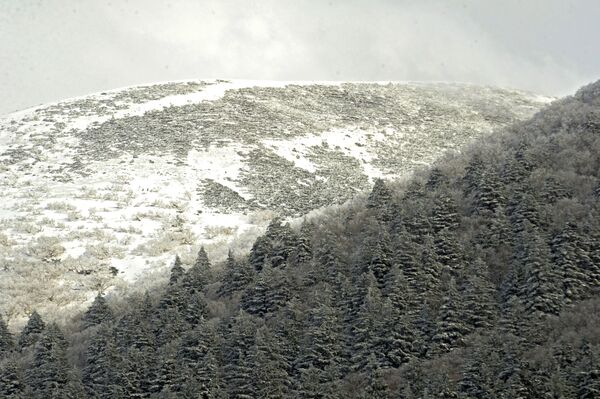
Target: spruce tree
x=177 y=272
x=198 y=357
x=32 y=331
x=570 y=259
x=270 y=367
x=376 y=387
x=481 y=308
x=198 y=275
x=97 y=313
x=450 y=325
x=6 y=339
x=237 y=357
x=49 y=375
x=11 y=381
x=380 y=200
x=103 y=375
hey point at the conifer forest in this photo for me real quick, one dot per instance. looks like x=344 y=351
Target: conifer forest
x=478 y=277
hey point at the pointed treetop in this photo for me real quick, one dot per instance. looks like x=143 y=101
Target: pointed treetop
x=177 y=271
x=202 y=259
x=97 y=313
x=32 y=330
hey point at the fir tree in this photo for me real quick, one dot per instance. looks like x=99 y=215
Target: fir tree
x=238 y=275
x=197 y=276
x=450 y=326
x=6 y=339
x=11 y=381
x=270 y=367
x=49 y=374
x=97 y=313
x=103 y=373
x=481 y=309
x=380 y=200
x=570 y=259
x=32 y=331
x=177 y=271
x=237 y=358
x=198 y=357
x=376 y=387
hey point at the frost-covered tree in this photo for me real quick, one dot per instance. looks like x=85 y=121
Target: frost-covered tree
x=32 y=331
x=7 y=342
x=98 y=312
x=103 y=375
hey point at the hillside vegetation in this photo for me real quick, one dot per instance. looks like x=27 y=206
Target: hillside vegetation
x=476 y=278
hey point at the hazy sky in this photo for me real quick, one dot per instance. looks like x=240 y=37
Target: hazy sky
x=55 y=49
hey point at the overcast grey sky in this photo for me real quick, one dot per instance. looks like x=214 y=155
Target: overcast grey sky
x=55 y=49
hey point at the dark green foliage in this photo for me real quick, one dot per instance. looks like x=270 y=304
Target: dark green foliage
x=450 y=327
x=270 y=366
x=269 y=292
x=380 y=200
x=198 y=357
x=376 y=387
x=102 y=374
x=238 y=274
x=572 y=263
x=32 y=331
x=7 y=342
x=11 y=381
x=49 y=374
x=98 y=312
x=198 y=275
x=177 y=271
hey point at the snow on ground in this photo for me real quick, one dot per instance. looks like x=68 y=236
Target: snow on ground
x=353 y=142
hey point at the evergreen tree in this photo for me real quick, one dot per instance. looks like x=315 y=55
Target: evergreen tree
x=6 y=339
x=481 y=309
x=97 y=313
x=197 y=276
x=450 y=326
x=489 y=196
x=259 y=252
x=49 y=374
x=448 y=251
x=570 y=259
x=540 y=292
x=11 y=381
x=32 y=331
x=377 y=256
x=380 y=200
x=103 y=373
x=238 y=275
x=198 y=356
x=445 y=214
x=195 y=309
x=270 y=367
x=177 y=272
x=321 y=345
x=368 y=325
x=376 y=387
x=237 y=357
x=302 y=253
x=269 y=292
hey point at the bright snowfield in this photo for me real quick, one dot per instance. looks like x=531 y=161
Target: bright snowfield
x=101 y=191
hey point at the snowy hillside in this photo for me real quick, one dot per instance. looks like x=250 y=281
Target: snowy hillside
x=101 y=191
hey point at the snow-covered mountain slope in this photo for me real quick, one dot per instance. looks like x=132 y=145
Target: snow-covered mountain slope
x=101 y=190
